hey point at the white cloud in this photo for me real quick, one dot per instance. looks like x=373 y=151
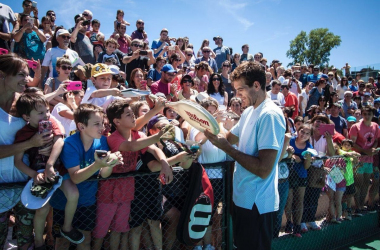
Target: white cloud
x=235 y=9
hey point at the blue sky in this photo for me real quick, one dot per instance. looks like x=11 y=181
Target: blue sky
x=266 y=25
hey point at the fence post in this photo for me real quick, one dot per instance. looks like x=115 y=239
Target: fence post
x=228 y=199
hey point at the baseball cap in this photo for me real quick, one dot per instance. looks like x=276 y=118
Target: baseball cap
x=62 y=32
x=377 y=100
x=217 y=37
x=348 y=93
x=115 y=69
x=100 y=69
x=33 y=202
x=201 y=96
x=324 y=76
x=168 y=68
x=351 y=119
x=154 y=120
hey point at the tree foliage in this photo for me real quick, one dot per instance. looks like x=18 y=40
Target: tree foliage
x=313 y=48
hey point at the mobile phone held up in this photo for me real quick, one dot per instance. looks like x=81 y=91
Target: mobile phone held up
x=34 y=4
x=101 y=153
x=3 y=51
x=86 y=22
x=31 y=64
x=74 y=85
x=143 y=53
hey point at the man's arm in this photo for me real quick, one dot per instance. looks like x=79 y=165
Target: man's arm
x=151 y=60
x=74 y=35
x=159 y=48
x=40 y=34
x=128 y=59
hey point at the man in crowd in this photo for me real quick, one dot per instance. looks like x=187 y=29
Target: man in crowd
x=245 y=56
x=189 y=60
x=275 y=93
x=140 y=33
x=164 y=84
x=124 y=41
x=255 y=195
x=206 y=51
x=257 y=57
x=134 y=60
x=28 y=8
x=347 y=103
x=314 y=76
x=340 y=122
x=159 y=44
x=53 y=17
x=268 y=80
x=303 y=75
x=6 y=17
x=81 y=43
x=222 y=52
x=291 y=100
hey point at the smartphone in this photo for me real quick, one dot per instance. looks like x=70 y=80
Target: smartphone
x=162 y=179
x=143 y=52
x=326 y=127
x=143 y=84
x=32 y=64
x=3 y=51
x=86 y=22
x=172 y=47
x=44 y=126
x=74 y=85
x=34 y=4
x=31 y=21
x=101 y=153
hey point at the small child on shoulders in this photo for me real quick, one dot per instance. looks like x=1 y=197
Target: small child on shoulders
x=119 y=20
x=96 y=37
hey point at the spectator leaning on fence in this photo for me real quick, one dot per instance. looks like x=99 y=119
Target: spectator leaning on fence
x=254 y=209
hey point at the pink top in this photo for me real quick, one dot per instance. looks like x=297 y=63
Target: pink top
x=366 y=136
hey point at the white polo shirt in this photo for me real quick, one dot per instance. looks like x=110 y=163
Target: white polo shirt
x=258 y=129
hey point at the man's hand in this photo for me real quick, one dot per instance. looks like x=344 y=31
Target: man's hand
x=166 y=171
x=116 y=92
x=218 y=140
x=39 y=140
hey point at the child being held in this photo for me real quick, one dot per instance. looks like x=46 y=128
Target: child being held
x=119 y=20
x=351 y=158
x=111 y=46
x=96 y=38
x=33 y=108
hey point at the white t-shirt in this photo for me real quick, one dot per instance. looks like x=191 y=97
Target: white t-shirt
x=52 y=55
x=321 y=147
x=304 y=100
x=210 y=154
x=258 y=129
x=293 y=88
x=279 y=97
x=63 y=120
x=101 y=102
x=281 y=79
x=8 y=172
x=340 y=91
x=218 y=97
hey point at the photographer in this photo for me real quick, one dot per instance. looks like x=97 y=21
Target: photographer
x=138 y=58
x=80 y=42
x=159 y=44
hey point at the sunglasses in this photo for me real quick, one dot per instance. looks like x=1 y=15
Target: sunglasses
x=170 y=74
x=85 y=14
x=140 y=23
x=322 y=81
x=178 y=60
x=65 y=37
x=331 y=75
x=51 y=14
x=190 y=47
x=189 y=55
x=206 y=51
x=64 y=67
x=186 y=80
x=216 y=79
x=137 y=45
x=226 y=66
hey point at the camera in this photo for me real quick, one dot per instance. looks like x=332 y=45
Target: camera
x=86 y=22
x=143 y=52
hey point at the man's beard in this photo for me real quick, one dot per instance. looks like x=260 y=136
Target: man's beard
x=66 y=44
x=141 y=29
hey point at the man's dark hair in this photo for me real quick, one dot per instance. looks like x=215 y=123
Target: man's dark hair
x=298 y=119
x=249 y=73
x=27 y=102
x=275 y=82
x=23 y=16
x=116 y=109
x=83 y=113
x=47 y=12
x=369 y=109
x=244 y=45
x=26 y=1
x=95 y=21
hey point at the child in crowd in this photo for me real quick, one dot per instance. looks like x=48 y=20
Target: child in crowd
x=119 y=19
x=115 y=196
x=34 y=108
x=298 y=180
x=101 y=94
x=111 y=46
x=351 y=158
x=81 y=160
x=96 y=38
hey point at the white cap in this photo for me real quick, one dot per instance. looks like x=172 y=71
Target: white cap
x=62 y=32
x=115 y=69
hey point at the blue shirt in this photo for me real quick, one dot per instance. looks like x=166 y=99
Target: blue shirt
x=353 y=88
x=73 y=155
x=353 y=105
x=154 y=75
x=221 y=55
x=313 y=78
x=30 y=46
x=340 y=123
x=258 y=129
x=156 y=44
x=314 y=95
x=210 y=62
x=299 y=168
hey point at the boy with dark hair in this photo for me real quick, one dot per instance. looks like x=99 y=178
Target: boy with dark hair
x=111 y=46
x=34 y=108
x=81 y=160
x=115 y=196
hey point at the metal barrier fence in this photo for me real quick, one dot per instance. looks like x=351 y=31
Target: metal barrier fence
x=327 y=209
x=147 y=219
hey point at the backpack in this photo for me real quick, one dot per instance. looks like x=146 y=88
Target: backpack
x=196 y=213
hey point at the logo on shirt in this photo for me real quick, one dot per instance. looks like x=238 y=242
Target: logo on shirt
x=369 y=139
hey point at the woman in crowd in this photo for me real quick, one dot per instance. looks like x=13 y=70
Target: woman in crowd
x=316 y=92
x=186 y=88
x=137 y=80
x=235 y=61
x=323 y=144
x=47 y=31
x=154 y=73
x=334 y=98
x=181 y=44
x=13 y=78
x=235 y=105
x=226 y=67
x=63 y=68
x=304 y=97
x=342 y=87
x=298 y=180
x=216 y=90
x=322 y=103
x=205 y=43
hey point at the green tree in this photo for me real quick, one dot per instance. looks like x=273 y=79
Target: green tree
x=313 y=48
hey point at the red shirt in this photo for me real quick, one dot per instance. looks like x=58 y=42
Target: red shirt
x=292 y=100
x=160 y=87
x=120 y=190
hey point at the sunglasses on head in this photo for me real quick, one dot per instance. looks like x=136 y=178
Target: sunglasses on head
x=64 y=67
